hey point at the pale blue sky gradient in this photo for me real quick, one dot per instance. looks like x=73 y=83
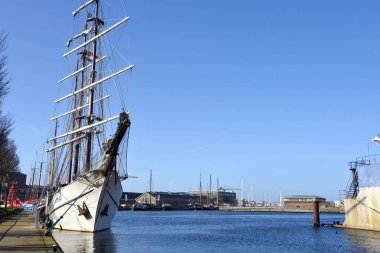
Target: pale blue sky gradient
x=280 y=93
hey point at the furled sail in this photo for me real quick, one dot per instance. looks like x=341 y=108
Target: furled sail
x=82 y=7
x=129 y=67
x=83 y=128
x=66 y=143
x=78 y=36
x=81 y=69
x=79 y=108
x=376 y=139
x=97 y=36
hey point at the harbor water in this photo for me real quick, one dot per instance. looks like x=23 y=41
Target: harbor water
x=213 y=231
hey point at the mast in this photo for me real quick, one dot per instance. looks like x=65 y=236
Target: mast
x=207 y=196
x=85 y=97
x=91 y=95
x=73 y=128
x=150 y=189
x=34 y=175
x=242 y=190
x=251 y=193
x=210 y=191
x=53 y=158
x=39 y=182
x=79 y=118
x=30 y=182
x=39 y=179
x=200 y=189
x=217 y=192
x=31 y=191
x=210 y=188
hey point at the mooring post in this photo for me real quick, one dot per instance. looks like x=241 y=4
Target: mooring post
x=36 y=218
x=316 y=213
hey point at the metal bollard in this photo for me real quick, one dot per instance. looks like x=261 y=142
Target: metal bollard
x=37 y=218
x=55 y=248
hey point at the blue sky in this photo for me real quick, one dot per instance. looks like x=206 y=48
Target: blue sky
x=280 y=93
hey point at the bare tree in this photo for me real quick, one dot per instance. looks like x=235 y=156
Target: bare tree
x=9 y=163
x=5 y=121
x=4 y=80
x=9 y=167
x=6 y=124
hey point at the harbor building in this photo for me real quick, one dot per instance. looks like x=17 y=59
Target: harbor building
x=17 y=184
x=177 y=199
x=18 y=190
x=225 y=197
x=304 y=202
x=128 y=199
x=183 y=199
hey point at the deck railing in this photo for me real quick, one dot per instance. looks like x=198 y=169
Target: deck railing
x=352 y=188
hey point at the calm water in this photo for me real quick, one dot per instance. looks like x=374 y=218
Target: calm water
x=212 y=231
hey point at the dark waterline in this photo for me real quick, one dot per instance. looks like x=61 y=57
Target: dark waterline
x=212 y=231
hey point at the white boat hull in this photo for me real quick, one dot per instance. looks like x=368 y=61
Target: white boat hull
x=363 y=211
x=87 y=204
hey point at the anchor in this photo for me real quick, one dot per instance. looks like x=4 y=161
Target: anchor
x=105 y=210
x=84 y=211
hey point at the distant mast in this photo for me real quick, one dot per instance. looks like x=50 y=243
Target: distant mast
x=242 y=190
x=200 y=189
x=150 y=189
x=217 y=192
x=39 y=181
x=210 y=187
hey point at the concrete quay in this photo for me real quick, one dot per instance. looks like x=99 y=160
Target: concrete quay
x=277 y=209
x=18 y=234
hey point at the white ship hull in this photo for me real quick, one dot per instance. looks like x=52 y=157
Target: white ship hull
x=87 y=204
x=363 y=211
x=80 y=142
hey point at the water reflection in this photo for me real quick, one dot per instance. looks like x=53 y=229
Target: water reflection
x=176 y=231
x=362 y=240
x=71 y=241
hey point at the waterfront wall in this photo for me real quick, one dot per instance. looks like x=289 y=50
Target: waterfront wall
x=279 y=209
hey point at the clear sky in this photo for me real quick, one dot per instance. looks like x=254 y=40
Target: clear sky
x=281 y=94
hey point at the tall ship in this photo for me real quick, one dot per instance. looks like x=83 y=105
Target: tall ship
x=87 y=140
x=362 y=202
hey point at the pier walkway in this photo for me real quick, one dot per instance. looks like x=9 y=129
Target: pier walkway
x=18 y=234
